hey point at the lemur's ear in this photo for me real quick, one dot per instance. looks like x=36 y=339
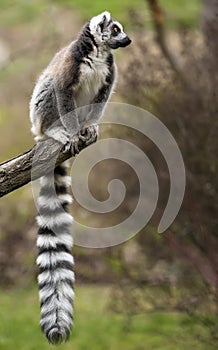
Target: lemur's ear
x=103 y=23
x=100 y=21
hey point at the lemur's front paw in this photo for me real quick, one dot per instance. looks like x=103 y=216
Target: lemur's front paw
x=67 y=147
x=89 y=134
x=72 y=145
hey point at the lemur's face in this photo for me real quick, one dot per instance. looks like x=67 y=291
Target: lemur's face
x=108 y=31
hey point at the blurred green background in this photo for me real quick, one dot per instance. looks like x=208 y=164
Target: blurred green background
x=152 y=292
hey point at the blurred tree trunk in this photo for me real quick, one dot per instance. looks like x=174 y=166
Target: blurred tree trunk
x=172 y=58
x=210 y=27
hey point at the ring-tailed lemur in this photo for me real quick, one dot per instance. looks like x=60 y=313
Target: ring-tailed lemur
x=81 y=74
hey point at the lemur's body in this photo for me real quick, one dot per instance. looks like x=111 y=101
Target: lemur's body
x=86 y=73
x=81 y=74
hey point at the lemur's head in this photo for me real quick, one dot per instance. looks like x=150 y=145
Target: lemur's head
x=108 y=32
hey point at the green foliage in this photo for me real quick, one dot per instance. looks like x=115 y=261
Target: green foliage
x=91 y=8
x=178 y=14
x=184 y=14
x=95 y=326
x=13 y=12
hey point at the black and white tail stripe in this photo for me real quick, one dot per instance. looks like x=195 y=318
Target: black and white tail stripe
x=55 y=262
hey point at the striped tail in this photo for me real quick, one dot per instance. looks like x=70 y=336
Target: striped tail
x=55 y=262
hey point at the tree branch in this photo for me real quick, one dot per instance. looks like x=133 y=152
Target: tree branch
x=32 y=164
x=158 y=20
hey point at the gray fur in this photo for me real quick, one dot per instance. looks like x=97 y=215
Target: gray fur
x=81 y=74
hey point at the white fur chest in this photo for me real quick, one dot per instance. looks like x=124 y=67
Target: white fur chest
x=92 y=78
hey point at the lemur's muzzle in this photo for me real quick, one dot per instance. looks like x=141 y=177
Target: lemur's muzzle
x=125 y=41
x=121 y=40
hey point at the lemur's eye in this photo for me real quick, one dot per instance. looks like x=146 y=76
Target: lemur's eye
x=116 y=30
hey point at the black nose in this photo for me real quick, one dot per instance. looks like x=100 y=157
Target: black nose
x=126 y=41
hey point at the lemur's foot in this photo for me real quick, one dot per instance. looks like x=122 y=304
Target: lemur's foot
x=72 y=145
x=89 y=134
